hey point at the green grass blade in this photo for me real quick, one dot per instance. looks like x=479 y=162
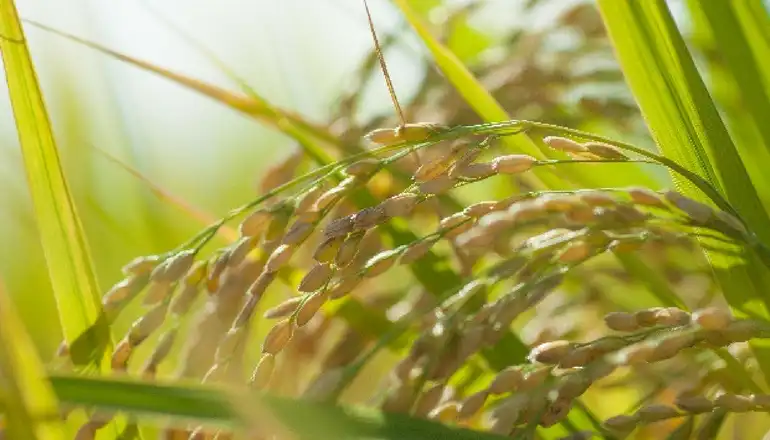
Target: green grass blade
x=740 y=67
x=675 y=103
x=687 y=128
x=306 y=419
x=26 y=396
x=754 y=18
x=61 y=234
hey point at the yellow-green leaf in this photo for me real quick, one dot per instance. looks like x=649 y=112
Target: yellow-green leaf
x=26 y=397
x=61 y=234
x=685 y=123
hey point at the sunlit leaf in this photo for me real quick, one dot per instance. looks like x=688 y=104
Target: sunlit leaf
x=61 y=233
x=26 y=396
x=687 y=128
x=308 y=420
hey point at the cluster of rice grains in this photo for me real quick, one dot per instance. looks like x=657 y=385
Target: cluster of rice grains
x=483 y=268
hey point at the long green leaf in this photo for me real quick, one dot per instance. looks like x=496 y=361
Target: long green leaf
x=61 y=234
x=307 y=420
x=26 y=396
x=687 y=128
x=736 y=61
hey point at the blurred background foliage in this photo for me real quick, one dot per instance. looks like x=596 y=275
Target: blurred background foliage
x=546 y=60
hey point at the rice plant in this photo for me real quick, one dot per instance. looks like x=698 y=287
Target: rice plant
x=471 y=276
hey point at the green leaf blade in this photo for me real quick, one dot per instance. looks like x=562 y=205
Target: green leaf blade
x=688 y=129
x=308 y=420
x=61 y=233
x=26 y=396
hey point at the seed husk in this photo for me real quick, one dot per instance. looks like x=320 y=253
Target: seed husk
x=479 y=209
x=578 y=357
x=263 y=372
x=472 y=404
x=550 y=352
x=400 y=205
x=455 y=225
x=741 y=330
x=216 y=270
x=414 y=132
x=416 y=251
x=429 y=399
x=534 y=378
x=698 y=212
x=327 y=249
x=471 y=341
x=278 y=337
x=605 y=151
x=761 y=400
x=672 y=316
x=597 y=198
x=163 y=348
x=513 y=164
x=281 y=214
x=635 y=354
x=141 y=265
x=298 y=232
x=474 y=171
x=439 y=185
x=316 y=277
x=175 y=267
x=712 y=318
x=227 y=345
x=344 y=286
x=348 y=250
x=556 y=412
x=279 y=257
x=258 y=287
x=310 y=307
x=575 y=251
x=564 y=144
x=307 y=200
x=656 y=412
x=121 y=354
x=184 y=299
x=330 y=197
x=571 y=386
x=647 y=317
x=431 y=170
x=121 y=291
x=645 y=197
x=362 y=167
x=156 y=292
x=622 y=423
x=381 y=262
x=621 y=321
x=339 y=227
x=369 y=217
x=446 y=412
x=283 y=309
x=239 y=252
x=694 y=404
x=145 y=325
x=671 y=345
